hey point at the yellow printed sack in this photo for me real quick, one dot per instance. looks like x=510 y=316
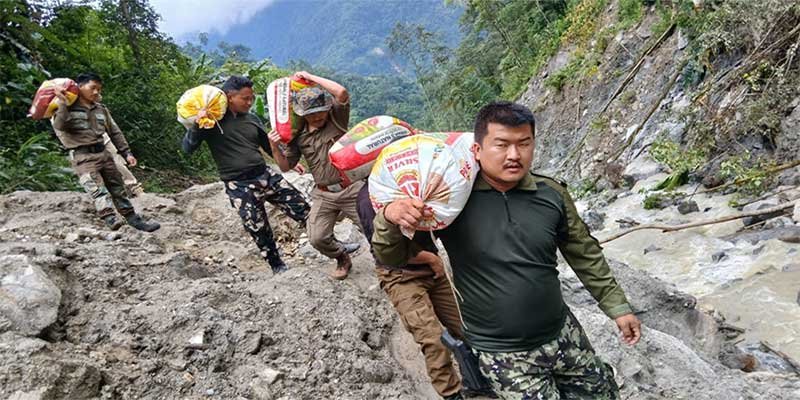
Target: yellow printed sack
x=203 y=97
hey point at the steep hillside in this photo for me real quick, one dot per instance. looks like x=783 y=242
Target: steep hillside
x=685 y=112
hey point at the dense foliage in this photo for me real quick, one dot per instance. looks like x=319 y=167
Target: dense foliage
x=435 y=83
x=143 y=72
x=504 y=44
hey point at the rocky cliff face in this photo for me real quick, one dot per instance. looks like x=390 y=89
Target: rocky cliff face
x=192 y=312
x=601 y=104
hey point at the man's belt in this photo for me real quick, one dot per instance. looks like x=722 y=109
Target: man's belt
x=336 y=187
x=90 y=148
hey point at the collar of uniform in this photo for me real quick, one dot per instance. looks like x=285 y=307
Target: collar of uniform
x=527 y=183
x=231 y=115
x=77 y=104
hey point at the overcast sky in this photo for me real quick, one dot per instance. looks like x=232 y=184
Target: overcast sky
x=184 y=16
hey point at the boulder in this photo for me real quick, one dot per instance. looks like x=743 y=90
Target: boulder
x=687 y=206
x=789 y=234
x=778 y=223
x=760 y=218
x=594 y=220
x=29 y=300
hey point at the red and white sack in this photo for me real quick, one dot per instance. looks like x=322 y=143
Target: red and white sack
x=44 y=103
x=424 y=167
x=279 y=105
x=354 y=153
x=461 y=144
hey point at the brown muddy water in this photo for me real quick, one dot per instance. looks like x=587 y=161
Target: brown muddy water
x=755 y=286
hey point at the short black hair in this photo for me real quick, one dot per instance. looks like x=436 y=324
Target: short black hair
x=235 y=83
x=87 y=77
x=504 y=113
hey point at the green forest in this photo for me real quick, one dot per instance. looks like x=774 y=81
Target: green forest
x=144 y=73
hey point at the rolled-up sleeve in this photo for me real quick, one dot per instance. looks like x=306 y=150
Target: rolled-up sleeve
x=292 y=152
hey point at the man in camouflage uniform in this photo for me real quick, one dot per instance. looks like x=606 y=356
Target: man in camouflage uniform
x=326 y=113
x=81 y=128
x=249 y=182
x=502 y=248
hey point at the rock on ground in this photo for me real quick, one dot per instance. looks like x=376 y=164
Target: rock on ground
x=28 y=298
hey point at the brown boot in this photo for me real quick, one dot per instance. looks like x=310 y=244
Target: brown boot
x=343 y=265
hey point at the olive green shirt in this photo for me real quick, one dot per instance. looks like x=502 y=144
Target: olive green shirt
x=314 y=146
x=502 y=248
x=77 y=125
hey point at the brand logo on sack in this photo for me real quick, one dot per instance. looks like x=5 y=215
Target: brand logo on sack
x=283 y=97
x=380 y=139
x=396 y=161
x=408 y=182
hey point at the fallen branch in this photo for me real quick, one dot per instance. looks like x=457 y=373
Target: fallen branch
x=742 y=66
x=754 y=60
x=789 y=360
x=652 y=110
x=729 y=327
x=770 y=171
x=628 y=78
x=575 y=130
x=672 y=228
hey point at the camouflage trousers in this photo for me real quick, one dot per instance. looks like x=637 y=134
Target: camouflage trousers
x=248 y=196
x=98 y=175
x=565 y=368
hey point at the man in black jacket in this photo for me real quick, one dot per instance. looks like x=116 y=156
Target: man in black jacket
x=249 y=182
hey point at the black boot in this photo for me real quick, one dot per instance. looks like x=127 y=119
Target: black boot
x=279 y=268
x=275 y=262
x=112 y=222
x=136 y=221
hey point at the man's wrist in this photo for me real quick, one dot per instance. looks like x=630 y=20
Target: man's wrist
x=619 y=310
x=382 y=212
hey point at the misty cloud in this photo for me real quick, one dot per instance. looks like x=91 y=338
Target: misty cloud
x=181 y=17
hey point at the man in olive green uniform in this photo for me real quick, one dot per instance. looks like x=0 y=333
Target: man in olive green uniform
x=81 y=128
x=502 y=248
x=132 y=185
x=422 y=296
x=326 y=114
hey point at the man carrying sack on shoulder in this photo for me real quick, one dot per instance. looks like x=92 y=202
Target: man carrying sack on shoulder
x=325 y=110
